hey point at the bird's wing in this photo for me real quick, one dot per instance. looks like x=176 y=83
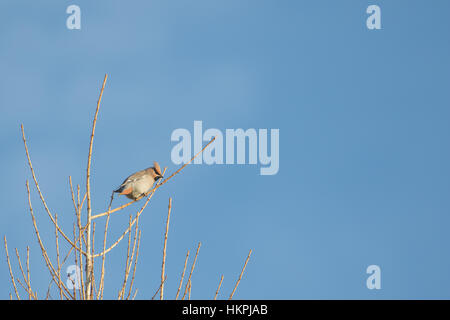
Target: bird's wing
x=134 y=177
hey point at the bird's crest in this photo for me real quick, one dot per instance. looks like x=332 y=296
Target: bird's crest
x=157 y=168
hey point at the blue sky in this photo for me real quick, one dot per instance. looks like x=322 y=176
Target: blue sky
x=363 y=119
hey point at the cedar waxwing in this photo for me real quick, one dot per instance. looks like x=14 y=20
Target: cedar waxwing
x=140 y=182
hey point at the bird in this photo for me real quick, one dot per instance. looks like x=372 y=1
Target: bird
x=139 y=183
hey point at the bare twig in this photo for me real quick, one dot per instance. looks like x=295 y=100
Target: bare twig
x=79 y=240
x=10 y=270
x=102 y=275
x=28 y=287
x=218 y=288
x=134 y=267
x=182 y=275
x=159 y=288
x=77 y=207
x=135 y=242
x=130 y=260
x=126 y=263
x=192 y=270
x=28 y=269
x=73 y=195
x=57 y=258
x=75 y=285
x=23 y=286
x=135 y=293
x=161 y=292
x=184 y=165
x=240 y=276
x=92 y=259
x=89 y=265
x=189 y=289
